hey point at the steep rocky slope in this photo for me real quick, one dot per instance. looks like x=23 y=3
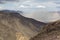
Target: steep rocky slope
x=14 y=26
x=50 y=32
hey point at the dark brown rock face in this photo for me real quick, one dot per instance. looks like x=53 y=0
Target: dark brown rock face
x=50 y=32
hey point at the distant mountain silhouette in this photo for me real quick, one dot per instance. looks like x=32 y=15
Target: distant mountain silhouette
x=50 y=32
x=12 y=23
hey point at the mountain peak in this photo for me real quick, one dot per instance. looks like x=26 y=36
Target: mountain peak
x=13 y=23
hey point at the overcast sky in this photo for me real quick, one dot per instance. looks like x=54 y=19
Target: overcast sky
x=34 y=8
x=30 y=4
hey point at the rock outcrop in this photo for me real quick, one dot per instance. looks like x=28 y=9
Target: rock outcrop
x=50 y=32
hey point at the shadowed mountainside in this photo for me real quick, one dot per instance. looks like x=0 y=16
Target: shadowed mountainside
x=14 y=26
x=50 y=32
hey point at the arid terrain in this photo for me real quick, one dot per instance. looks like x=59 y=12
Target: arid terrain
x=50 y=32
x=14 y=26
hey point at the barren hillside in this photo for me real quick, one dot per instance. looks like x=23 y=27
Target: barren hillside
x=50 y=32
x=14 y=26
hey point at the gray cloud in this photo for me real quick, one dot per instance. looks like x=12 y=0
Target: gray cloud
x=3 y=1
x=46 y=0
x=8 y=0
x=11 y=0
x=57 y=2
x=58 y=7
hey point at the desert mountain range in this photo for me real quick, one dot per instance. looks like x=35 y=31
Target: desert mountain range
x=14 y=26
